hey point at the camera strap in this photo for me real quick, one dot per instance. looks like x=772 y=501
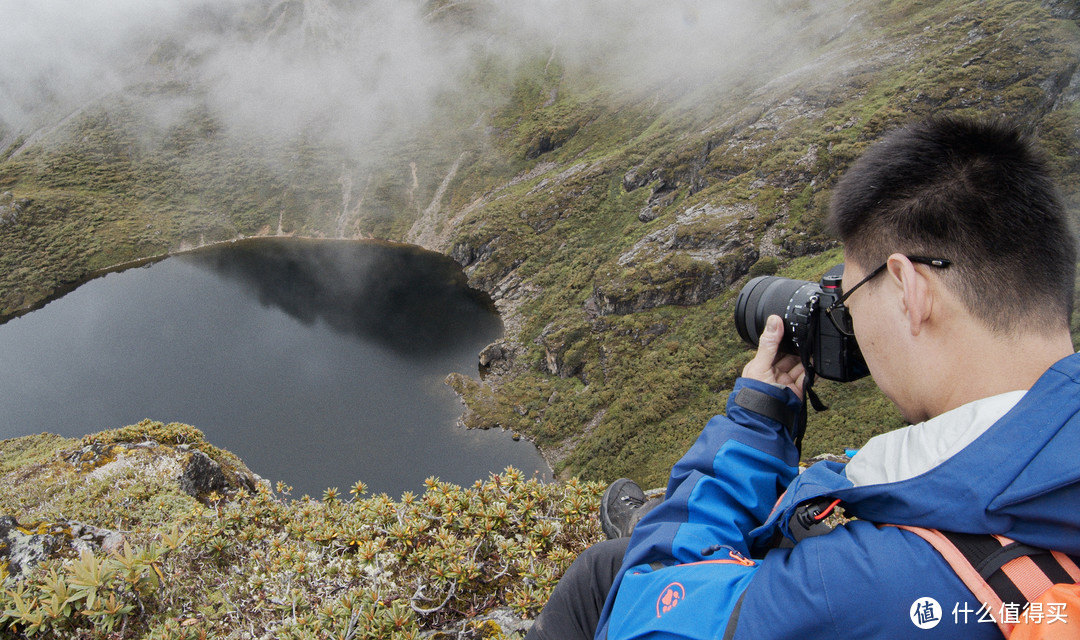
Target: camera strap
x=808 y=394
x=808 y=380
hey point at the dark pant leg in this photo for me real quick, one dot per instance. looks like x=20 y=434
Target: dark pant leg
x=573 y=610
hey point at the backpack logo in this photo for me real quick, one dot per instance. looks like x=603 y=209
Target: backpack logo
x=671 y=596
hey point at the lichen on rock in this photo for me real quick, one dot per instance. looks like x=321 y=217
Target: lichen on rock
x=24 y=546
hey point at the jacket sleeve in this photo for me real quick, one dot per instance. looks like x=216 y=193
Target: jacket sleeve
x=688 y=561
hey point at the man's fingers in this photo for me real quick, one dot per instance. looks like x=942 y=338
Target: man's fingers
x=769 y=342
x=768 y=365
x=760 y=366
x=790 y=373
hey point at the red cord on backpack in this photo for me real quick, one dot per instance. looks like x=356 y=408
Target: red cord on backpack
x=824 y=514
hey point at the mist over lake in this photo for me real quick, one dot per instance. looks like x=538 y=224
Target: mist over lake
x=318 y=362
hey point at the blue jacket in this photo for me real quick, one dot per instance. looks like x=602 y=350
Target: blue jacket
x=703 y=564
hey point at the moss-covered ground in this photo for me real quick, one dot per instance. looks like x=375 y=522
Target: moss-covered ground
x=246 y=564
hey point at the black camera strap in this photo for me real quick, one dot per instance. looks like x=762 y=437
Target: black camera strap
x=808 y=379
x=800 y=426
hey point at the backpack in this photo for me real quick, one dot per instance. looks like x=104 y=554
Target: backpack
x=1031 y=593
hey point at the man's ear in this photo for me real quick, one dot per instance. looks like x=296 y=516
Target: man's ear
x=917 y=296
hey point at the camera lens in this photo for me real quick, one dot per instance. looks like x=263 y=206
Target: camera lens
x=772 y=295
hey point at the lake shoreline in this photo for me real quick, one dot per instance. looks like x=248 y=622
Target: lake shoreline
x=64 y=288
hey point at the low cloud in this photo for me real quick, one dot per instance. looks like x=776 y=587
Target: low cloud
x=355 y=71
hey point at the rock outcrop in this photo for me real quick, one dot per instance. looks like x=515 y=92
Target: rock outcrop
x=65 y=502
x=22 y=547
x=691 y=260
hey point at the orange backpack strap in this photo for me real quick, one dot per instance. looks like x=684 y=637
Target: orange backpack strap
x=982 y=591
x=1068 y=563
x=998 y=570
x=1056 y=612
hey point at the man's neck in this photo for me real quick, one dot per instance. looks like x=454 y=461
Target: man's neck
x=984 y=363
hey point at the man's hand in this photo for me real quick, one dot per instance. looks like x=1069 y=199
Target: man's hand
x=771 y=367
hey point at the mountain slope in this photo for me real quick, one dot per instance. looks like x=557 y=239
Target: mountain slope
x=612 y=206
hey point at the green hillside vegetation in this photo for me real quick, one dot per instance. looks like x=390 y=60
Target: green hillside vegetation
x=613 y=227
x=644 y=374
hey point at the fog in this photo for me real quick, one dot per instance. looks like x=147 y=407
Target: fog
x=355 y=71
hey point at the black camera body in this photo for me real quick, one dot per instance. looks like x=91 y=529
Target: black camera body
x=808 y=332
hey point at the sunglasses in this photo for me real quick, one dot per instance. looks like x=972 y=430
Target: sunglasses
x=837 y=312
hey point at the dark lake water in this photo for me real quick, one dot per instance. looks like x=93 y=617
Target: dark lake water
x=319 y=363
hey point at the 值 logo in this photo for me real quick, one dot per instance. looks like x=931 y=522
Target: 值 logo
x=669 y=597
x=925 y=613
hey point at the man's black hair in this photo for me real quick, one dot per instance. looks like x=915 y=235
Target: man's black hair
x=977 y=193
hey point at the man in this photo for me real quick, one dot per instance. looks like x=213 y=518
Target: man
x=959 y=280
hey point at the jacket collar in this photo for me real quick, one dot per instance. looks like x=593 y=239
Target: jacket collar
x=1018 y=477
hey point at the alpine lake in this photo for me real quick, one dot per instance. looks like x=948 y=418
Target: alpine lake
x=318 y=362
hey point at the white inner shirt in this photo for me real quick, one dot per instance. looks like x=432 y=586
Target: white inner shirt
x=916 y=449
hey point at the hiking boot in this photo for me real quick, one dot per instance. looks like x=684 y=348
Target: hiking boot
x=623 y=504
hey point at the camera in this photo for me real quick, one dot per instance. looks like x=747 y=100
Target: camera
x=809 y=332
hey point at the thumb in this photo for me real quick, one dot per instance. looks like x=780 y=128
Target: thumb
x=769 y=343
x=768 y=346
